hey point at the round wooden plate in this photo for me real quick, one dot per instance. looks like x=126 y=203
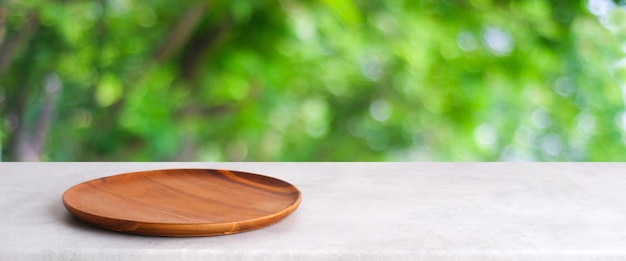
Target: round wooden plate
x=182 y=202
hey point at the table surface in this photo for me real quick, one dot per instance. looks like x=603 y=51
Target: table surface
x=375 y=211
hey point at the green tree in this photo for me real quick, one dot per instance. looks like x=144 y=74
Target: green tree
x=312 y=80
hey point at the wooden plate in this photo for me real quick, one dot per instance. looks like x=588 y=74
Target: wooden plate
x=182 y=202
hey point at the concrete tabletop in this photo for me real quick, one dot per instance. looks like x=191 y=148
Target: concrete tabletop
x=350 y=211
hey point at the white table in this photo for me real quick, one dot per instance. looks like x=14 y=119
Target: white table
x=360 y=211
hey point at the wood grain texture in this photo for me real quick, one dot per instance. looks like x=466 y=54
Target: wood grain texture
x=182 y=202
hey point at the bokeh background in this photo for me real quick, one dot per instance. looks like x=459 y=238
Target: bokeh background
x=327 y=80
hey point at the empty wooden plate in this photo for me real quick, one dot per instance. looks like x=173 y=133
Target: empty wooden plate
x=182 y=202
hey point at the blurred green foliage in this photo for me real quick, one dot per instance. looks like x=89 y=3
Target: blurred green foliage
x=332 y=80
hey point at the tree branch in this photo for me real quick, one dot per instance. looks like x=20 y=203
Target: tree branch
x=196 y=110
x=197 y=49
x=181 y=33
x=29 y=145
x=2 y=25
x=52 y=87
x=9 y=49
